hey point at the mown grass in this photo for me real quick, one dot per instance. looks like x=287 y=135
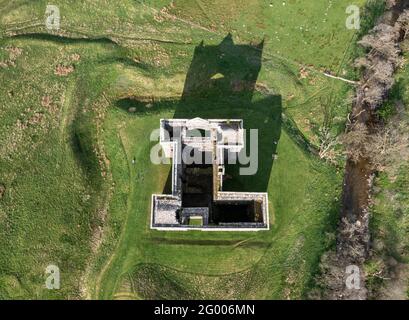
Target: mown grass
x=125 y=61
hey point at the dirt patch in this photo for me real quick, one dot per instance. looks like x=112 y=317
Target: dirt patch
x=14 y=53
x=61 y=70
x=75 y=57
x=304 y=73
x=2 y=190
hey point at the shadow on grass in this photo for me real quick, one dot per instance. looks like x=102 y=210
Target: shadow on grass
x=135 y=106
x=221 y=84
x=64 y=39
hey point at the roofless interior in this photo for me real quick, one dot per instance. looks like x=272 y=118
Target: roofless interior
x=197 y=192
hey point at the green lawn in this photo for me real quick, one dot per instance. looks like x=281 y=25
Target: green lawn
x=390 y=221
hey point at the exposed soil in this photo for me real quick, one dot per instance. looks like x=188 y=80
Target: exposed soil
x=61 y=70
x=356 y=189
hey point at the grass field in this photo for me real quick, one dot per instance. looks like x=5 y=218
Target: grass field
x=390 y=222
x=68 y=145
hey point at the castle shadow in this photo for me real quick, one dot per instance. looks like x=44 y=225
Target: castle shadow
x=221 y=84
